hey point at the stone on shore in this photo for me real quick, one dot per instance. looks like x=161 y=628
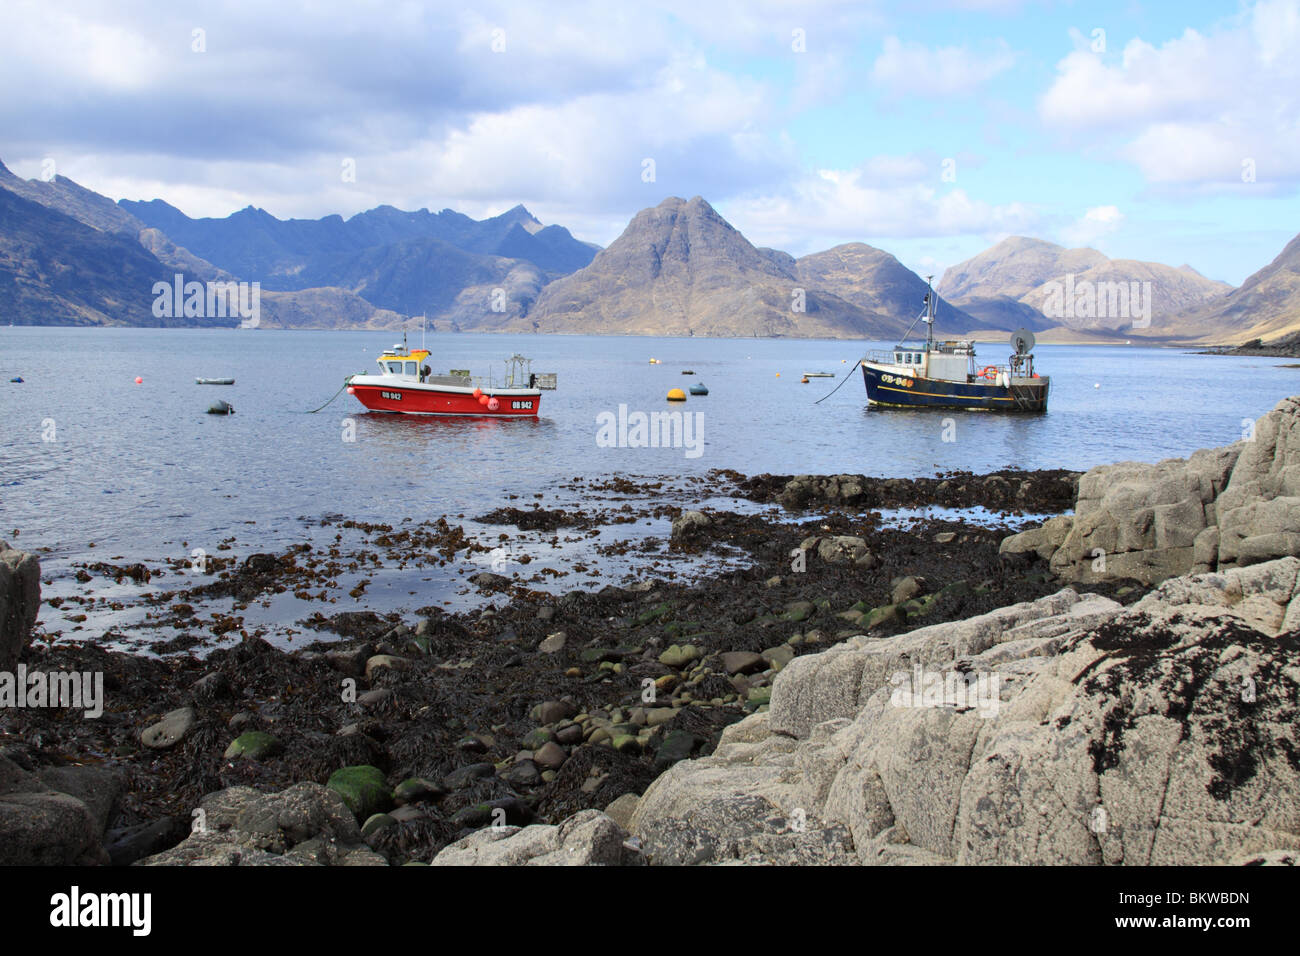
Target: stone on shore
x=20 y=601
x=169 y=731
x=588 y=838
x=1218 y=509
x=1067 y=730
x=40 y=826
x=363 y=790
x=305 y=825
x=689 y=524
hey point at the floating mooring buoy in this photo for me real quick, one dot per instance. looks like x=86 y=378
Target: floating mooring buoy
x=221 y=408
x=676 y=395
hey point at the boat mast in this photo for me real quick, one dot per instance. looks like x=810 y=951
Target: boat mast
x=929 y=311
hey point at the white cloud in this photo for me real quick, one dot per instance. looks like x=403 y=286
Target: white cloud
x=1094 y=225
x=913 y=68
x=836 y=206
x=1190 y=110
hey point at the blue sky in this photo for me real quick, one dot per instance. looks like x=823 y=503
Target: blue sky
x=930 y=129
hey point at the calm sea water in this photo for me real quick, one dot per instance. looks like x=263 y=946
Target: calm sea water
x=87 y=454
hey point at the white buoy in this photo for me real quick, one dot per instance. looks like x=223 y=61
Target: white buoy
x=1096 y=385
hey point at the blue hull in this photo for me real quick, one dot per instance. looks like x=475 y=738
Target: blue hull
x=912 y=391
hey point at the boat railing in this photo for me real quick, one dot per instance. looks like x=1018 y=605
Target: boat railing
x=881 y=357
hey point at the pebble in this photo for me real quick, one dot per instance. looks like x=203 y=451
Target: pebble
x=416 y=790
x=462 y=777
x=523 y=773
x=553 y=711
x=906 y=588
x=381 y=661
x=537 y=739
x=373 y=698
x=553 y=643
x=550 y=756
x=568 y=734
x=376 y=822
x=743 y=662
x=679 y=655
x=169 y=731
x=254 y=745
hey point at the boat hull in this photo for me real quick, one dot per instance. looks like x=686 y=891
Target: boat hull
x=887 y=387
x=410 y=398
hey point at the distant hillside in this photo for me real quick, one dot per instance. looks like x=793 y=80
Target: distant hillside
x=55 y=270
x=875 y=281
x=295 y=253
x=417 y=276
x=388 y=279
x=1265 y=306
x=82 y=204
x=679 y=268
x=1013 y=268
x=324 y=309
x=1019 y=271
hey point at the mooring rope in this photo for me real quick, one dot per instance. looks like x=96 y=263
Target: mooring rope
x=841 y=385
x=334 y=396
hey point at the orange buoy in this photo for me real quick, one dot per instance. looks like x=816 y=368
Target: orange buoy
x=804 y=380
x=478 y=393
x=482 y=399
x=139 y=380
x=676 y=395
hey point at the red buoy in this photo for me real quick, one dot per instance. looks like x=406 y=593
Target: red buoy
x=482 y=399
x=478 y=393
x=139 y=380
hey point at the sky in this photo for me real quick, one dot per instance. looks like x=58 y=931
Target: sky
x=1167 y=132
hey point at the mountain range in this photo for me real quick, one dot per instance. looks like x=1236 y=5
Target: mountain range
x=70 y=256
x=681 y=269
x=1020 y=272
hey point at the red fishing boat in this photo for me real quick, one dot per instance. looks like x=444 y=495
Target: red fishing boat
x=406 y=385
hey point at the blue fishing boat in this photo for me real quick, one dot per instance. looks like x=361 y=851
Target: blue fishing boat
x=946 y=374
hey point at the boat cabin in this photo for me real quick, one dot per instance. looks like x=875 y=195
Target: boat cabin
x=951 y=361
x=397 y=362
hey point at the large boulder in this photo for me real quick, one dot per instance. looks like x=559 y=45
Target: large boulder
x=588 y=838
x=305 y=825
x=20 y=600
x=41 y=826
x=1221 y=508
x=1064 y=731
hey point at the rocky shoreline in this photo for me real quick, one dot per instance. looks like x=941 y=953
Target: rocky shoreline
x=745 y=715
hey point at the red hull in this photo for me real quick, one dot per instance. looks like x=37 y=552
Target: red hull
x=404 y=398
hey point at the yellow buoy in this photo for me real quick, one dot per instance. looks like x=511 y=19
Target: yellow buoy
x=778 y=374
x=676 y=395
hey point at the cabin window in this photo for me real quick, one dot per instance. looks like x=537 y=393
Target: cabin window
x=898 y=357
x=395 y=368
x=410 y=368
